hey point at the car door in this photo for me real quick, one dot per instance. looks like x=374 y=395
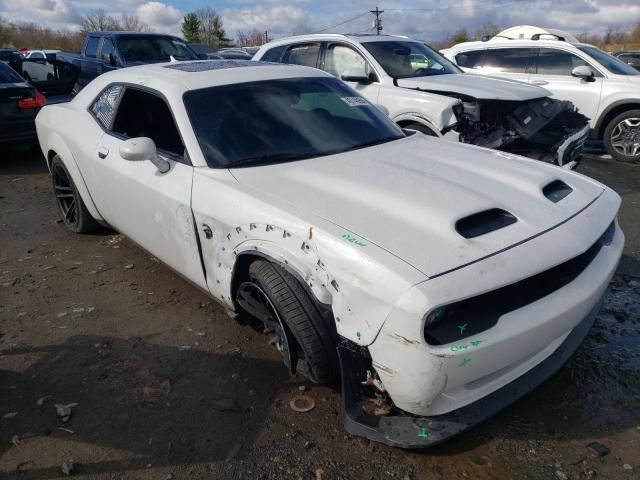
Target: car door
x=339 y=57
x=552 y=69
x=511 y=62
x=151 y=208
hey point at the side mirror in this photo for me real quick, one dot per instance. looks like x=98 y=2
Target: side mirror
x=583 y=72
x=143 y=148
x=356 y=74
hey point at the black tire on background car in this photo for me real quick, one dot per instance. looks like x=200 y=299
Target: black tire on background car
x=75 y=215
x=278 y=299
x=420 y=128
x=622 y=137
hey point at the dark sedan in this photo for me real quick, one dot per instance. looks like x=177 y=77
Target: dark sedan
x=19 y=104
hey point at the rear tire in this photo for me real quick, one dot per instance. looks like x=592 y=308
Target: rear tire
x=622 y=137
x=315 y=335
x=74 y=212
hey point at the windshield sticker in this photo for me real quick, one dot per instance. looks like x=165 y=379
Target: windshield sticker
x=355 y=101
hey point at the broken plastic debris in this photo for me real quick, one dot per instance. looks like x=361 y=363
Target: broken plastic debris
x=68 y=468
x=129 y=266
x=10 y=415
x=302 y=404
x=64 y=411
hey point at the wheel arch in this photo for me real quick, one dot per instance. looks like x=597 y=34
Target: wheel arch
x=611 y=112
x=56 y=146
x=407 y=119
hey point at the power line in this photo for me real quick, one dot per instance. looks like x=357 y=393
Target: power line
x=341 y=23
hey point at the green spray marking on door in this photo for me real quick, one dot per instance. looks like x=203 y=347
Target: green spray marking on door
x=423 y=433
x=355 y=240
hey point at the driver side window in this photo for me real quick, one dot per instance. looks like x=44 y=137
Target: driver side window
x=143 y=114
x=339 y=58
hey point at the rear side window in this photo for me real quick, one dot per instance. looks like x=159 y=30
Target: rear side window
x=103 y=109
x=143 y=114
x=469 y=59
x=557 y=62
x=507 y=60
x=37 y=55
x=273 y=55
x=8 y=75
x=92 y=47
x=306 y=54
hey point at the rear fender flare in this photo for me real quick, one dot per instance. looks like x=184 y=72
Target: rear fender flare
x=57 y=146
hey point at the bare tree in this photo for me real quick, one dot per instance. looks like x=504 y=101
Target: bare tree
x=489 y=29
x=253 y=38
x=132 y=23
x=211 y=31
x=99 y=21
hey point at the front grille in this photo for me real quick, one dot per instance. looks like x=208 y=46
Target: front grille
x=474 y=315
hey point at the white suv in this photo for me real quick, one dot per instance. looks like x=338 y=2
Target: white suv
x=602 y=87
x=422 y=90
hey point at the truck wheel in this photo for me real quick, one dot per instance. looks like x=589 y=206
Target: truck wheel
x=75 y=215
x=421 y=128
x=622 y=137
x=292 y=320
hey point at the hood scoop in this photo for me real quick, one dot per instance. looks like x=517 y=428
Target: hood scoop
x=557 y=190
x=484 y=222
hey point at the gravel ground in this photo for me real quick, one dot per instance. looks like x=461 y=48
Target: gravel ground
x=111 y=366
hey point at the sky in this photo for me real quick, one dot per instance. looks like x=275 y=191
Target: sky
x=429 y=20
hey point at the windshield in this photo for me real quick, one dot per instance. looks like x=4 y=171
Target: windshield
x=7 y=75
x=260 y=123
x=153 y=49
x=611 y=63
x=409 y=59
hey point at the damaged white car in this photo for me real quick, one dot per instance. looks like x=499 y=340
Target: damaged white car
x=424 y=91
x=447 y=278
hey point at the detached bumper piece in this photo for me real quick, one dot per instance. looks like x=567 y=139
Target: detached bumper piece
x=409 y=431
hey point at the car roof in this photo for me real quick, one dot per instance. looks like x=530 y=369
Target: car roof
x=197 y=74
x=356 y=37
x=499 y=43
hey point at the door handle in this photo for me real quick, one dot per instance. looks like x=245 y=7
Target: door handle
x=103 y=152
x=539 y=82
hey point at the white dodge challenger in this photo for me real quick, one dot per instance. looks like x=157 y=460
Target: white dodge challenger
x=440 y=281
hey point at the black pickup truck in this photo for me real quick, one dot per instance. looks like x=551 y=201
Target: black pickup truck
x=105 y=51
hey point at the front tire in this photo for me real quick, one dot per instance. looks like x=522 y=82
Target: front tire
x=74 y=212
x=622 y=137
x=293 y=320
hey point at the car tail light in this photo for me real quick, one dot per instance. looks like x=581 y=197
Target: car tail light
x=38 y=101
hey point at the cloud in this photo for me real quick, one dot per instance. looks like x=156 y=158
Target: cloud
x=160 y=16
x=51 y=13
x=280 y=19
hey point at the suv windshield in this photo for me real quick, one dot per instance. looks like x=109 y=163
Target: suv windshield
x=138 y=48
x=611 y=63
x=409 y=59
x=271 y=121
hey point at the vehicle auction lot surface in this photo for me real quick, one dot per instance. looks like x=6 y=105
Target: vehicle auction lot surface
x=168 y=386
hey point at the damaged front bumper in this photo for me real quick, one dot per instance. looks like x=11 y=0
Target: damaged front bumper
x=411 y=431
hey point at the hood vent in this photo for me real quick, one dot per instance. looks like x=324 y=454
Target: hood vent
x=484 y=222
x=557 y=190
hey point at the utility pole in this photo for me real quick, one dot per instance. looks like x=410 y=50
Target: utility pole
x=266 y=36
x=377 y=21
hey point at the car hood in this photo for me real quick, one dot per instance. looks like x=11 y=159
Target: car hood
x=406 y=197
x=476 y=86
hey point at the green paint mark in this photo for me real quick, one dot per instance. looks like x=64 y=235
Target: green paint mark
x=465 y=346
x=462 y=328
x=464 y=362
x=423 y=433
x=355 y=240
